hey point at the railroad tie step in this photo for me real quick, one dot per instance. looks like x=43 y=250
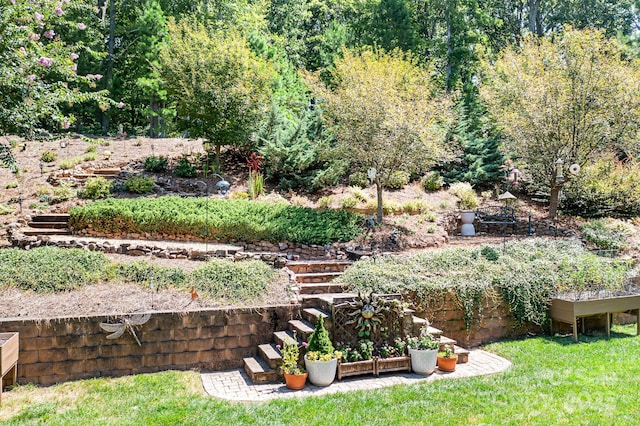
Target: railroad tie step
x=45 y=231
x=258 y=370
x=271 y=355
x=463 y=354
x=316 y=277
x=302 y=328
x=312 y=314
x=319 y=288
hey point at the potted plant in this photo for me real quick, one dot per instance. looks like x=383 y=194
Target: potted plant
x=321 y=360
x=447 y=359
x=294 y=376
x=357 y=360
x=423 y=351
x=393 y=357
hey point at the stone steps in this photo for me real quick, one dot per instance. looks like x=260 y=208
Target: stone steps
x=271 y=355
x=320 y=288
x=311 y=266
x=316 y=277
x=258 y=370
x=302 y=329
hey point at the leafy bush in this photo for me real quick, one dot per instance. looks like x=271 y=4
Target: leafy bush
x=239 y=195
x=70 y=163
x=359 y=179
x=95 y=188
x=48 y=156
x=155 y=164
x=5 y=209
x=607 y=234
x=232 y=281
x=139 y=185
x=90 y=156
x=11 y=185
x=432 y=181
x=63 y=192
x=184 y=168
x=359 y=194
x=50 y=269
x=43 y=190
x=349 y=202
x=398 y=180
x=154 y=276
x=90 y=149
x=417 y=206
x=238 y=220
x=607 y=187
x=526 y=274
x=465 y=193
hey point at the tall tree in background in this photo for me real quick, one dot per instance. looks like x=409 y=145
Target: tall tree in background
x=565 y=97
x=220 y=87
x=385 y=112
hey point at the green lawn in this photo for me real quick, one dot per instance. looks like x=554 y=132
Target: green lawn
x=552 y=381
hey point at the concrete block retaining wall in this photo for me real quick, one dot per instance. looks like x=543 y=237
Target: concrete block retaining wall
x=63 y=349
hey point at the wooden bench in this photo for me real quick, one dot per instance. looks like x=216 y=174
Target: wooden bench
x=498 y=215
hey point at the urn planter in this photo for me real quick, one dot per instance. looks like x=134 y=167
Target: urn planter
x=467 y=218
x=423 y=361
x=321 y=373
x=9 y=347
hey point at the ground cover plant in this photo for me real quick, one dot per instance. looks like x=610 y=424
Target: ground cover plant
x=524 y=273
x=51 y=269
x=225 y=220
x=551 y=381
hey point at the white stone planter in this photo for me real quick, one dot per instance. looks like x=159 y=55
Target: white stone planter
x=321 y=373
x=467 y=218
x=423 y=361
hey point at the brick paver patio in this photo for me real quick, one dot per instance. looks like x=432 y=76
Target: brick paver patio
x=235 y=385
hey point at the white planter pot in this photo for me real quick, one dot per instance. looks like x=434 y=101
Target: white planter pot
x=321 y=373
x=467 y=218
x=423 y=361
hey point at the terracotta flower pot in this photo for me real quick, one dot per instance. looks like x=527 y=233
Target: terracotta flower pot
x=447 y=364
x=295 y=381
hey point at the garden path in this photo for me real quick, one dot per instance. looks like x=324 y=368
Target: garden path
x=235 y=385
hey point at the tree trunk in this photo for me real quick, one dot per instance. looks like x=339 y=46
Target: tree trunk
x=379 y=192
x=554 y=200
x=153 y=119
x=106 y=117
x=218 y=158
x=449 y=48
x=535 y=24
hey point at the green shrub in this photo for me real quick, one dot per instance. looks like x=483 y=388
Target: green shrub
x=359 y=179
x=349 y=202
x=227 y=220
x=398 y=180
x=90 y=156
x=232 y=281
x=149 y=274
x=95 y=188
x=432 y=181
x=63 y=192
x=51 y=269
x=607 y=234
x=319 y=340
x=11 y=185
x=5 y=209
x=325 y=202
x=48 y=156
x=139 y=185
x=606 y=187
x=70 y=163
x=155 y=164
x=184 y=168
x=43 y=190
x=468 y=199
x=417 y=205
x=525 y=274
x=90 y=149
x=239 y=195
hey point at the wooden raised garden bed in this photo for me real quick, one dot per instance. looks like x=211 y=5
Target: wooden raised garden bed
x=388 y=365
x=346 y=369
x=9 y=345
x=568 y=311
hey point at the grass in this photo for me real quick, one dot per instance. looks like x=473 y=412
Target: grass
x=552 y=381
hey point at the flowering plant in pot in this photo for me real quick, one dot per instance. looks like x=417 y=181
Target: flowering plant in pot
x=295 y=377
x=423 y=350
x=447 y=359
x=321 y=360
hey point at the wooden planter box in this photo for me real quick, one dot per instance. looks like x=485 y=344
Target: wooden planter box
x=9 y=345
x=568 y=311
x=356 y=368
x=387 y=365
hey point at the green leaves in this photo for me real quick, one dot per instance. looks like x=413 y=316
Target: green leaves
x=225 y=220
